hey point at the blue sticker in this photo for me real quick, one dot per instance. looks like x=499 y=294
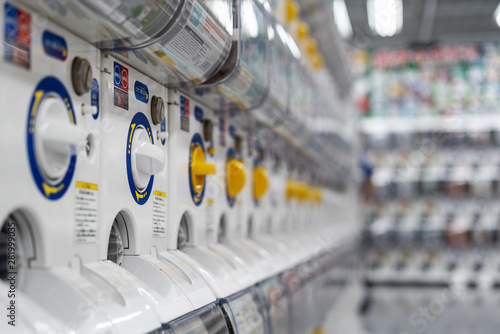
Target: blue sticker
x=183 y=106
x=49 y=86
x=232 y=130
x=163 y=129
x=197 y=198
x=94 y=97
x=198 y=114
x=141 y=197
x=17 y=36
x=230 y=200
x=117 y=74
x=54 y=45
x=120 y=74
x=141 y=92
x=10 y=21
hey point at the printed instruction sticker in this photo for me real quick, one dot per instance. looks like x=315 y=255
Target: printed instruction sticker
x=199 y=46
x=86 y=213
x=17 y=36
x=159 y=214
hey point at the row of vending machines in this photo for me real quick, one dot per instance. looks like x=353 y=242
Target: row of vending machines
x=434 y=242
x=431 y=266
x=410 y=165
x=159 y=174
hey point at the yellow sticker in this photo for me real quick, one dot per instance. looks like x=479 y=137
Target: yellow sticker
x=85 y=185
x=159 y=193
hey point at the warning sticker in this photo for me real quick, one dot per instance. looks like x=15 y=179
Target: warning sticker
x=17 y=37
x=197 y=47
x=121 y=99
x=159 y=214
x=184 y=124
x=86 y=213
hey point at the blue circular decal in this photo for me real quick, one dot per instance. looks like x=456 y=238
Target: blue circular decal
x=139 y=196
x=197 y=198
x=48 y=86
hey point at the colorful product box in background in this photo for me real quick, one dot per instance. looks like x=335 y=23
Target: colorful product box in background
x=438 y=81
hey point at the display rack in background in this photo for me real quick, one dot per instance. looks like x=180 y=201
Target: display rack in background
x=430 y=126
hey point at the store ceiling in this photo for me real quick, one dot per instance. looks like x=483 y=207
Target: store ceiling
x=424 y=22
x=427 y=21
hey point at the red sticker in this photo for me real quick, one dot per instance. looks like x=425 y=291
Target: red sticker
x=24 y=27
x=186 y=106
x=125 y=78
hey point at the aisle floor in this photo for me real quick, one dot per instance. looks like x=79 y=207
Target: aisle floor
x=343 y=317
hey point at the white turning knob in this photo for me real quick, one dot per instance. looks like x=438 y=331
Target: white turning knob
x=147 y=159
x=56 y=137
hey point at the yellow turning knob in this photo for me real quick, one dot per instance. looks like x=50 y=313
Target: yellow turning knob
x=302 y=191
x=291 y=10
x=291 y=189
x=311 y=46
x=199 y=168
x=317 y=61
x=260 y=182
x=302 y=31
x=235 y=177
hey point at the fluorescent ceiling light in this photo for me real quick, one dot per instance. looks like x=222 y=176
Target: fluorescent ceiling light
x=385 y=17
x=341 y=18
x=496 y=15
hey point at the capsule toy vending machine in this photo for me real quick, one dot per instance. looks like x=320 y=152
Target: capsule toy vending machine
x=237 y=238
x=135 y=184
x=262 y=212
x=249 y=129
x=164 y=60
x=227 y=183
x=244 y=89
x=55 y=216
x=191 y=136
x=275 y=232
